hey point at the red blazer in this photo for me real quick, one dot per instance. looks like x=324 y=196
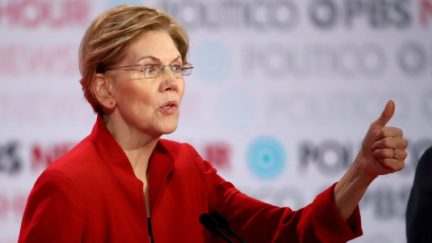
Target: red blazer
x=92 y=195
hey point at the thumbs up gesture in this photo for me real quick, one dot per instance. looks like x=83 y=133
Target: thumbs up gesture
x=384 y=149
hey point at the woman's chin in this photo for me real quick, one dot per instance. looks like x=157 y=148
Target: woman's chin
x=168 y=129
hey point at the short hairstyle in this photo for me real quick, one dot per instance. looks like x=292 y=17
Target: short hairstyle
x=109 y=35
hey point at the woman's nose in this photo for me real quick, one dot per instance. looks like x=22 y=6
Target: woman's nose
x=169 y=81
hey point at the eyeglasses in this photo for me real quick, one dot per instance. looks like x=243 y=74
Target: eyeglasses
x=155 y=70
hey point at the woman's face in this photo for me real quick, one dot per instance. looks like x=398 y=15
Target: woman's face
x=150 y=106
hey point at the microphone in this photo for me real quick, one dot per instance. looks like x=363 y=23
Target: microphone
x=211 y=225
x=222 y=222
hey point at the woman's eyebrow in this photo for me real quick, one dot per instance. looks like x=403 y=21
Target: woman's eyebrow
x=157 y=59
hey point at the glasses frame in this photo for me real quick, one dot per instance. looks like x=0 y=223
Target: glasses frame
x=185 y=70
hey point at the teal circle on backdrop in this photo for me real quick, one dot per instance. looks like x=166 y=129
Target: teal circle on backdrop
x=266 y=158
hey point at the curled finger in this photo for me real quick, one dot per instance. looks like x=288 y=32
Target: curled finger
x=390 y=132
x=390 y=142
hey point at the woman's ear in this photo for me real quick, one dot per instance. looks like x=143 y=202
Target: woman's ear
x=103 y=91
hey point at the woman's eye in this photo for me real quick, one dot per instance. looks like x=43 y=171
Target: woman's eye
x=176 y=68
x=150 y=69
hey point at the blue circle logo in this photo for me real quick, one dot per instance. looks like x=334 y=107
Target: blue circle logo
x=212 y=61
x=266 y=158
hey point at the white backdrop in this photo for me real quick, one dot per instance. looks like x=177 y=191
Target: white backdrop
x=280 y=98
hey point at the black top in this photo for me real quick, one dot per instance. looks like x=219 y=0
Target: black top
x=419 y=208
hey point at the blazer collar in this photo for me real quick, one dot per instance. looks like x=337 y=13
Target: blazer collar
x=161 y=163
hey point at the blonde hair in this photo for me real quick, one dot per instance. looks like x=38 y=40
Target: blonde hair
x=107 y=38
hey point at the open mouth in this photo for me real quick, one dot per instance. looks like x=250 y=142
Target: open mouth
x=169 y=107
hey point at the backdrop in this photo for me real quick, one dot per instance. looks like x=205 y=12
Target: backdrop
x=281 y=96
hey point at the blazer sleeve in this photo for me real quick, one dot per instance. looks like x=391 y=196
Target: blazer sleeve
x=419 y=207
x=53 y=212
x=257 y=221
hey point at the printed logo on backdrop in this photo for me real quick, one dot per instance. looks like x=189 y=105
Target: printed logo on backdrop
x=10 y=158
x=285 y=15
x=330 y=156
x=266 y=158
x=218 y=154
x=387 y=202
x=12 y=154
x=37 y=13
x=226 y=14
x=212 y=61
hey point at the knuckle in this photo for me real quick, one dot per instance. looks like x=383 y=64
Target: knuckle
x=383 y=132
x=399 y=132
x=405 y=143
x=386 y=142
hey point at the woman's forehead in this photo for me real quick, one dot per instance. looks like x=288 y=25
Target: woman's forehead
x=154 y=44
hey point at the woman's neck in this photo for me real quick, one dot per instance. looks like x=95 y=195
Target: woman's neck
x=137 y=145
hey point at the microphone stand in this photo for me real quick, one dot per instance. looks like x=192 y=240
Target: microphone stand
x=211 y=225
x=223 y=223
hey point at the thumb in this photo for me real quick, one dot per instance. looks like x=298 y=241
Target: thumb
x=386 y=114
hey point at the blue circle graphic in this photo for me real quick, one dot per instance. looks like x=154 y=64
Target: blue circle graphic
x=266 y=158
x=212 y=60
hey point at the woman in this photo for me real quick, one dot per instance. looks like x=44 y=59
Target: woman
x=123 y=183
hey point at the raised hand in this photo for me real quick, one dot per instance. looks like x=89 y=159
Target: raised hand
x=384 y=148
x=383 y=151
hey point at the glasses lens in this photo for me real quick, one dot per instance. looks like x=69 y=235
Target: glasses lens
x=151 y=71
x=187 y=70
